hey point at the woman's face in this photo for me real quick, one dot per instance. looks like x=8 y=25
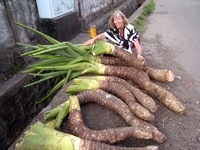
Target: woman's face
x=118 y=21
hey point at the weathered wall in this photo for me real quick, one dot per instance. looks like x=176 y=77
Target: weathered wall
x=18 y=11
x=90 y=10
x=18 y=106
x=89 y=7
x=12 y=11
x=6 y=35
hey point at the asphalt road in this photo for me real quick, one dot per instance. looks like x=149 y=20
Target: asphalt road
x=172 y=40
x=176 y=24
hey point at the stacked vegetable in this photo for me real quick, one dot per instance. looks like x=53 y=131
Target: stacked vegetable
x=103 y=74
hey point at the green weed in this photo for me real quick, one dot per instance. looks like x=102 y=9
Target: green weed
x=140 y=22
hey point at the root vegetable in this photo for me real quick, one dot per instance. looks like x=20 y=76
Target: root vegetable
x=105 y=99
x=109 y=136
x=164 y=75
x=41 y=137
x=142 y=80
x=81 y=84
x=165 y=97
x=141 y=97
x=102 y=47
x=130 y=73
x=110 y=60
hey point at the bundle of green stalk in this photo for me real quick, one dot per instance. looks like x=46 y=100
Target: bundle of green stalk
x=64 y=58
x=41 y=137
x=124 y=58
x=60 y=60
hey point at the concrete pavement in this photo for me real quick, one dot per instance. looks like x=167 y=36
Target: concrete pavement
x=176 y=23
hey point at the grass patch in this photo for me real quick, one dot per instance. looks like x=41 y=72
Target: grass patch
x=139 y=23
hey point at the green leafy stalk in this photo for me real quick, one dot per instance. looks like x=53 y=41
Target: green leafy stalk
x=52 y=61
x=50 y=50
x=64 y=67
x=102 y=47
x=85 y=47
x=54 y=74
x=76 y=48
x=61 y=115
x=79 y=85
x=39 y=81
x=27 y=45
x=51 y=114
x=97 y=68
x=51 y=56
x=84 y=58
x=54 y=89
x=74 y=103
x=50 y=39
x=43 y=48
x=67 y=77
x=41 y=137
x=93 y=77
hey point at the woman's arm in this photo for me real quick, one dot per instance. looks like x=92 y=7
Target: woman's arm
x=98 y=37
x=138 y=48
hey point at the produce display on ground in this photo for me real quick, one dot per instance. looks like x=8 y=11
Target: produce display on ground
x=127 y=88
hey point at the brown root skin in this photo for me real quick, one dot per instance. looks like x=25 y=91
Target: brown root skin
x=165 y=97
x=105 y=99
x=164 y=75
x=124 y=58
x=127 y=73
x=142 y=79
x=141 y=97
x=109 y=136
x=125 y=95
x=92 y=145
x=134 y=62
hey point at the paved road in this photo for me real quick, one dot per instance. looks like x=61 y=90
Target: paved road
x=172 y=39
x=177 y=25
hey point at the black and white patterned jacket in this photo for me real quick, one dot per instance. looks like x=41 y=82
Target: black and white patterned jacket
x=125 y=42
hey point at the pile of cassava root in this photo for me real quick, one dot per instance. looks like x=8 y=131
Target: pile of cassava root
x=103 y=74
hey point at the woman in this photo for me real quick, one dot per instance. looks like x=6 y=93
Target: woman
x=121 y=33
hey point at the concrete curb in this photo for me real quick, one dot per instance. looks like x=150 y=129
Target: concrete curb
x=137 y=13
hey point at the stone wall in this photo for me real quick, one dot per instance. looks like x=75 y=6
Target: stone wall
x=18 y=106
x=14 y=11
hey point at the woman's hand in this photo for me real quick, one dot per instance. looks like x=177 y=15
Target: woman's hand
x=89 y=42
x=139 y=56
x=98 y=37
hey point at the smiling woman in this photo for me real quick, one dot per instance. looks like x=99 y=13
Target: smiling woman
x=121 y=33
